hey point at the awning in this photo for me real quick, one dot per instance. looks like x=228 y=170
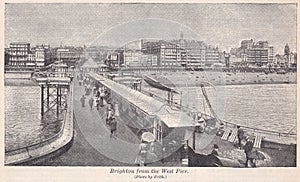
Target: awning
x=172 y=117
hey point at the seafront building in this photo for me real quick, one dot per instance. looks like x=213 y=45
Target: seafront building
x=6 y=56
x=31 y=60
x=193 y=55
x=42 y=55
x=259 y=54
x=292 y=62
x=18 y=54
x=185 y=53
x=68 y=54
x=21 y=56
x=168 y=54
x=135 y=58
x=287 y=60
x=97 y=53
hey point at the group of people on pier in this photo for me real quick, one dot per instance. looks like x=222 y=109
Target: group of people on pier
x=244 y=143
x=99 y=97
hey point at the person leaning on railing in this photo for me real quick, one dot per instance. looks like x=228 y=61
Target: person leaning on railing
x=240 y=135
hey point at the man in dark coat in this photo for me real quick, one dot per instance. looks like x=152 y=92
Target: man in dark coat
x=240 y=135
x=248 y=149
x=91 y=102
x=113 y=127
x=82 y=99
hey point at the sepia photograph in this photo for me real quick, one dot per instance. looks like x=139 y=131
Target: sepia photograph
x=145 y=85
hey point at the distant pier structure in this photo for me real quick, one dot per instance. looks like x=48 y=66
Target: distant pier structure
x=55 y=85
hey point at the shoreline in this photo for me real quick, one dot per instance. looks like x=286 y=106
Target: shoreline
x=238 y=84
x=190 y=79
x=19 y=82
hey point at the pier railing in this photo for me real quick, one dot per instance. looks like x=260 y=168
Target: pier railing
x=288 y=137
x=48 y=145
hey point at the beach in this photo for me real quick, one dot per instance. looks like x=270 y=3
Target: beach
x=196 y=78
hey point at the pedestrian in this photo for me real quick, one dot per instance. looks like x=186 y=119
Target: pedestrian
x=109 y=115
x=82 y=99
x=113 y=127
x=97 y=103
x=142 y=155
x=94 y=90
x=88 y=88
x=97 y=93
x=248 y=149
x=201 y=124
x=215 y=150
x=91 y=102
x=240 y=135
x=101 y=102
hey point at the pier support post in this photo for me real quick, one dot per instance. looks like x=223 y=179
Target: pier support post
x=42 y=101
x=59 y=96
x=57 y=100
x=48 y=96
x=194 y=139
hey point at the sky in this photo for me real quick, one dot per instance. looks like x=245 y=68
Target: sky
x=222 y=25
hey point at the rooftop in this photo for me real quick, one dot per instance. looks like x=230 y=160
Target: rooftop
x=19 y=43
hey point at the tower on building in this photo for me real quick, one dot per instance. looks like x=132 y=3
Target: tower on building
x=287 y=50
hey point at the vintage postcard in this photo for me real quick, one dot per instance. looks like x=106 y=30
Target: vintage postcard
x=136 y=91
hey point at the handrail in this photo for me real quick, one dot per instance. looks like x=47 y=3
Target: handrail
x=263 y=130
x=48 y=140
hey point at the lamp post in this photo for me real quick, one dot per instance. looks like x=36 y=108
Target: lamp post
x=118 y=58
x=187 y=94
x=194 y=129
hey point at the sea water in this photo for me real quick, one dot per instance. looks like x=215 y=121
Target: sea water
x=23 y=123
x=263 y=106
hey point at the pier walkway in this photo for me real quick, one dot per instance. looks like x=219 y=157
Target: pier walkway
x=91 y=123
x=92 y=145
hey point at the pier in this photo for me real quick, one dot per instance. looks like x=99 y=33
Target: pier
x=137 y=111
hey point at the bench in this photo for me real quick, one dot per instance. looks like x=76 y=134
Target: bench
x=226 y=134
x=257 y=141
x=233 y=137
